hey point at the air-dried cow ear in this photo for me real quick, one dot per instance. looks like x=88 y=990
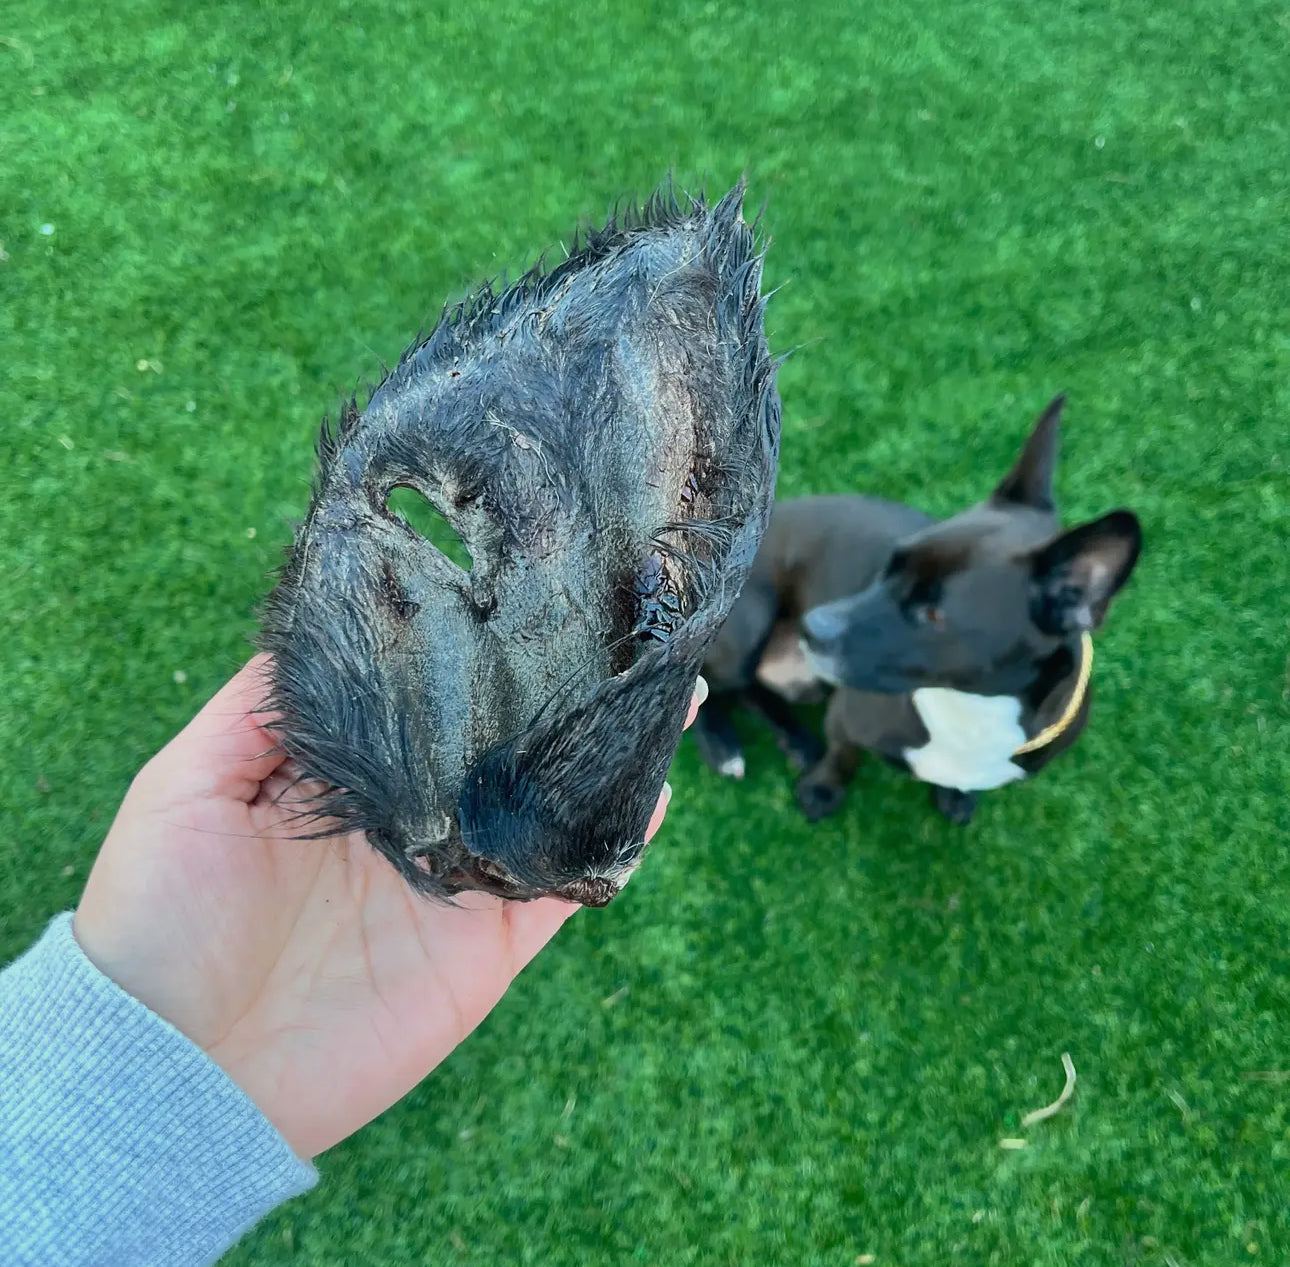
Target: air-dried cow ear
x=490 y=668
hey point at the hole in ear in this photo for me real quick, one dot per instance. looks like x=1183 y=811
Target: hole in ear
x=427 y=522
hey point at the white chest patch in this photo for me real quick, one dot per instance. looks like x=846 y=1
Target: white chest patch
x=972 y=739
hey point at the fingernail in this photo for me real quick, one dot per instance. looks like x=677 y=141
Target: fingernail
x=701 y=688
x=667 y=793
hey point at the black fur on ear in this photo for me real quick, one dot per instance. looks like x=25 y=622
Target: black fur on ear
x=1076 y=575
x=1030 y=482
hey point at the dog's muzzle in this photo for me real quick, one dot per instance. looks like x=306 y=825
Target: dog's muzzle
x=822 y=629
x=823 y=667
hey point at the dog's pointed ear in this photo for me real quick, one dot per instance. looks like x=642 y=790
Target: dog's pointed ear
x=1030 y=482
x=1076 y=576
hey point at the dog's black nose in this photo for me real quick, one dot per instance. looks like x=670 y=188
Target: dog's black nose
x=823 y=625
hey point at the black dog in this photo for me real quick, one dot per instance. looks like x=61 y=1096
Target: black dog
x=960 y=649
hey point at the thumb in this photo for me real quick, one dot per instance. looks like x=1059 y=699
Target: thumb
x=530 y=925
x=227 y=750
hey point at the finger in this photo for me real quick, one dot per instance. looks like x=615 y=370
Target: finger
x=288 y=787
x=696 y=701
x=660 y=810
x=227 y=749
x=533 y=924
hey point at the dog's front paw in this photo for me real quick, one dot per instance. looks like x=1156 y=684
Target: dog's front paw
x=802 y=750
x=718 y=743
x=733 y=766
x=819 y=800
x=957 y=806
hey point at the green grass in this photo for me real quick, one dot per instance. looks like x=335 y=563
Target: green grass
x=786 y=1045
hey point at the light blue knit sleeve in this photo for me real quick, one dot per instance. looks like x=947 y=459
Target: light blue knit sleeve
x=121 y=1142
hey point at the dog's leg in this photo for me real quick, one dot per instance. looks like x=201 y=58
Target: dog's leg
x=796 y=741
x=731 y=664
x=714 y=732
x=957 y=806
x=822 y=789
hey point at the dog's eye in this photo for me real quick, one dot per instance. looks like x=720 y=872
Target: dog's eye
x=896 y=563
x=933 y=615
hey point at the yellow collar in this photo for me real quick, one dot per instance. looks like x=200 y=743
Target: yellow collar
x=1073 y=705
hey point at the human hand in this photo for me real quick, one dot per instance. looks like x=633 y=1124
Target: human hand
x=307 y=969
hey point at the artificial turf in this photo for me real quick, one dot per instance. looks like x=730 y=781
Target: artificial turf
x=786 y=1044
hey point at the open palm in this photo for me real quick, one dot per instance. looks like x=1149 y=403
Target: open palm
x=307 y=969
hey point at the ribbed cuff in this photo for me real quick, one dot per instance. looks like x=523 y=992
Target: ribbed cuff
x=121 y=1141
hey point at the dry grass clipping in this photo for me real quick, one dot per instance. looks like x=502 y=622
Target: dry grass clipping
x=1049 y=1110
